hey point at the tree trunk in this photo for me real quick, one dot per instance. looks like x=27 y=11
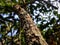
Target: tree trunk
x=32 y=33
x=0 y=43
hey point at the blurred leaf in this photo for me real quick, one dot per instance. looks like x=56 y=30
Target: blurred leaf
x=55 y=12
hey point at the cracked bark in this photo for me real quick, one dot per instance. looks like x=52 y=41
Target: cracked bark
x=32 y=33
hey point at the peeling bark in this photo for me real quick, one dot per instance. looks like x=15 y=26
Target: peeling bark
x=32 y=33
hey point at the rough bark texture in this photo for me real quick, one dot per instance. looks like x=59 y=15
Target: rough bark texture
x=32 y=33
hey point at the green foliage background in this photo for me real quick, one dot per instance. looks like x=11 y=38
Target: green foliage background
x=7 y=23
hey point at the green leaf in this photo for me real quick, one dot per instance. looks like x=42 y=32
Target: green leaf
x=55 y=12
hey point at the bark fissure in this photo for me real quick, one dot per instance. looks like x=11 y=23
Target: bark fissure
x=32 y=33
